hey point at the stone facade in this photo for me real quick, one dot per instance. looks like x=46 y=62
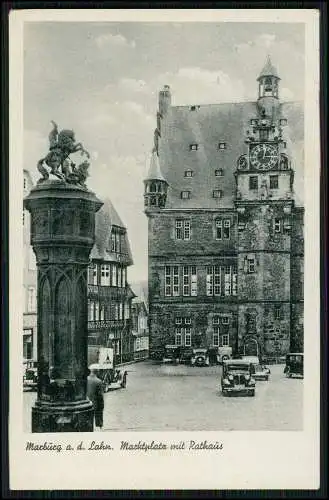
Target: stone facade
x=225 y=236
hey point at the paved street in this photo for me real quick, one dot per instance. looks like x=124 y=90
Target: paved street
x=186 y=398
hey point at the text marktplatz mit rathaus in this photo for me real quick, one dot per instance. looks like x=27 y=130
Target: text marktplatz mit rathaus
x=182 y=445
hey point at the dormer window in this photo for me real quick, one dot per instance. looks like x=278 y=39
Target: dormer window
x=185 y=195
x=219 y=172
x=253 y=121
x=188 y=173
x=217 y=193
x=194 y=147
x=221 y=145
x=283 y=121
x=284 y=145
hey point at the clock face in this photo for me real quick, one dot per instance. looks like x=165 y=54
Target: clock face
x=264 y=157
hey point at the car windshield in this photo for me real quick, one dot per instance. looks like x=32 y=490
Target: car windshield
x=238 y=367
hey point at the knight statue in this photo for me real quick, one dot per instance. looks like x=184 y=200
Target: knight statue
x=61 y=145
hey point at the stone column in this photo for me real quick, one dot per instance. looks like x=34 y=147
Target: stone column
x=62 y=236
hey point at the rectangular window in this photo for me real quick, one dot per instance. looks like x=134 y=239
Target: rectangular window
x=114 y=275
x=210 y=281
x=284 y=145
x=228 y=281
x=175 y=287
x=274 y=181
x=187 y=229
x=186 y=281
x=277 y=312
x=225 y=340
x=219 y=229
x=188 y=340
x=91 y=315
x=179 y=321
x=215 y=320
x=96 y=311
x=182 y=229
x=178 y=337
x=227 y=229
x=194 y=282
x=185 y=195
x=27 y=345
x=225 y=320
x=188 y=173
x=179 y=230
x=167 y=281
x=187 y=321
x=251 y=265
x=215 y=337
x=253 y=182
x=253 y=122
x=105 y=275
x=219 y=172
x=217 y=193
x=277 y=225
x=119 y=276
x=283 y=121
x=194 y=147
x=117 y=243
x=234 y=281
x=222 y=145
x=217 y=284
x=32 y=300
x=113 y=242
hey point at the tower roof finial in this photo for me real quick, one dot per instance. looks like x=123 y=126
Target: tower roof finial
x=268 y=69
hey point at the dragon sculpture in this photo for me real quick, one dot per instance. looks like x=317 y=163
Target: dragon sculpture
x=61 y=145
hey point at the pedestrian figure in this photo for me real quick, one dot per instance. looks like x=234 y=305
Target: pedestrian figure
x=124 y=379
x=95 y=395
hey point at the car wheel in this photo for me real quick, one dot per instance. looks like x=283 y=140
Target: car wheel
x=199 y=361
x=251 y=394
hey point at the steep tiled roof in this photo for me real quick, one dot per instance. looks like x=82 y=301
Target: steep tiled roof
x=105 y=219
x=154 y=172
x=207 y=126
x=268 y=70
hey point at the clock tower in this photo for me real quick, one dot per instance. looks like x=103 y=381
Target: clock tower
x=264 y=204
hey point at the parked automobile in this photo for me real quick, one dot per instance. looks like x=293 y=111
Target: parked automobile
x=186 y=355
x=172 y=354
x=224 y=352
x=260 y=370
x=294 y=365
x=30 y=376
x=237 y=378
x=200 y=357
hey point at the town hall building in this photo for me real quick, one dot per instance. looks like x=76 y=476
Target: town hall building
x=225 y=231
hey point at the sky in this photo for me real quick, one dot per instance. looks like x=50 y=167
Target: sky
x=102 y=80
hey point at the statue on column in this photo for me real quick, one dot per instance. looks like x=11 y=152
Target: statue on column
x=61 y=145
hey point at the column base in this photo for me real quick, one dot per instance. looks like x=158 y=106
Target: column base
x=70 y=417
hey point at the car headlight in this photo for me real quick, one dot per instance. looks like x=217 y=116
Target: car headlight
x=230 y=377
x=226 y=382
x=247 y=377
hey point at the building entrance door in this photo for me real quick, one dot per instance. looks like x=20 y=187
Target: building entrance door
x=250 y=347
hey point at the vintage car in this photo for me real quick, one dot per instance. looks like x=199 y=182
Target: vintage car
x=186 y=355
x=30 y=376
x=237 y=378
x=294 y=365
x=172 y=354
x=261 y=371
x=200 y=357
